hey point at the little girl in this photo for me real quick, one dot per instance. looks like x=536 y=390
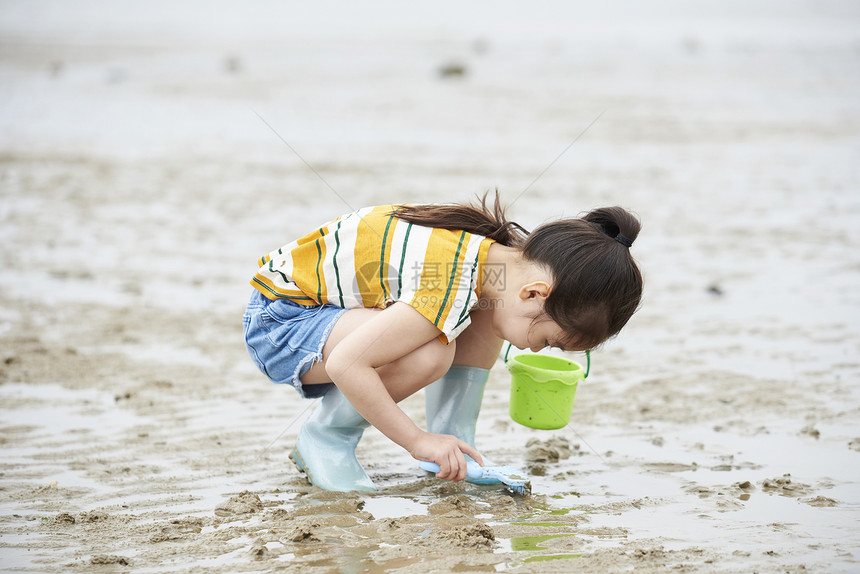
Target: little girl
x=377 y=304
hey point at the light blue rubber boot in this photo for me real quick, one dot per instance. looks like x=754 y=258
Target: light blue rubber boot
x=325 y=447
x=452 y=405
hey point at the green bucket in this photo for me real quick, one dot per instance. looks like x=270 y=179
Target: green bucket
x=542 y=389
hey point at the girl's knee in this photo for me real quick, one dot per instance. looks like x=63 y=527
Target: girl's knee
x=416 y=370
x=430 y=361
x=440 y=362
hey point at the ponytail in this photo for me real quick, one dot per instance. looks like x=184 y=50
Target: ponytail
x=473 y=218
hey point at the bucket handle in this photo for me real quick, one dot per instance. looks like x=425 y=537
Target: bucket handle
x=587 y=359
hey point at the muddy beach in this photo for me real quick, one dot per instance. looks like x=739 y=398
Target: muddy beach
x=143 y=169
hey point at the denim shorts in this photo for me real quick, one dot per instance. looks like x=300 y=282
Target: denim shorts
x=285 y=339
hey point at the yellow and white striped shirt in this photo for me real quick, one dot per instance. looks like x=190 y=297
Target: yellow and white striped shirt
x=369 y=258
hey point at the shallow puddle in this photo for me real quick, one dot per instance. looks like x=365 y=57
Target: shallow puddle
x=393 y=506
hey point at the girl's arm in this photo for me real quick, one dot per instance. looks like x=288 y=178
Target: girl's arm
x=388 y=336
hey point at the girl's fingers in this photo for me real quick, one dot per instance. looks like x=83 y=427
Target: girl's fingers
x=471 y=451
x=458 y=468
x=452 y=469
x=455 y=468
x=452 y=462
x=449 y=467
x=443 y=471
x=452 y=466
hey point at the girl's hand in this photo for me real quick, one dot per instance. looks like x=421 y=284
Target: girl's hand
x=446 y=451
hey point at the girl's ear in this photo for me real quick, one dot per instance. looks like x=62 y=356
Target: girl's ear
x=535 y=290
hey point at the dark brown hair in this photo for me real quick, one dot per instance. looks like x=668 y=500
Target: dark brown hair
x=597 y=285
x=477 y=218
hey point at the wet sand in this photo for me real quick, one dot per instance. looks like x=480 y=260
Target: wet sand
x=138 y=185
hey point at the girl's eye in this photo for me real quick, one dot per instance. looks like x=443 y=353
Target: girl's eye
x=546 y=343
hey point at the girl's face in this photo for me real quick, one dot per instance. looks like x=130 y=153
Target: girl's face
x=520 y=320
x=534 y=335
x=545 y=333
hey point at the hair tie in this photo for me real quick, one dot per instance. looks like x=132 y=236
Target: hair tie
x=623 y=241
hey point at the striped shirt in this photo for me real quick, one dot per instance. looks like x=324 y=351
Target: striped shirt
x=369 y=258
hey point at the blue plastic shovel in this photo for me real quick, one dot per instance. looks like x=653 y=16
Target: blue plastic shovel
x=510 y=477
